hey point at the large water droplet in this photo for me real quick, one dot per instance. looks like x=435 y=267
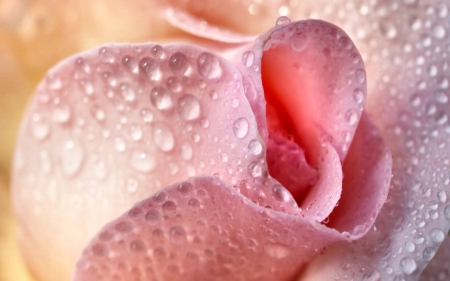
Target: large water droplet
x=188 y=107
x=255 y=147
x=178 y=63
x=161 y=98
x=153 y=217
x=71 y=155
x=131 y=64
x=158 y=52
x=437 y=235
x=163 y=137
x=209 y=66
x=174 y=84
x=240 y=127
x=254 y=169
x=143 y=161
x=283 y=20
x=169 y=208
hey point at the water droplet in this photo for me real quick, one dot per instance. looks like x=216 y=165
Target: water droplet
x=174 y=84
x=447 y=212
x=438 y=31
x=351 y=116
x=408 y=265
x=106 y=55
x=358 y=95
x=153 y=217
x=161 y=98
x=280 y=193
x=132 y=185
x=188 y=107
x=298 y=42
x=255 y=147
x=185 y=188
x=209 y=66
x=61 y=112
x=254 y=169
x=177 y=235
x=150 y=68
x=428 y=253
x=169 y=208
x=437 y=235
x=163 y=137
x=235 y=103
x=410 y=247
x=224 y=157
x=372 y=275
x=442 y=196
x=186 y=151
x=87 y=87
x=39 y=127
x=360 y=75
x=138 y=246
x=123 y=226
x=283 y=20
x=53 y=82
x=240 y=127
x=128 y=93
x=178 y=63
x=277 y=251
x=136 y=132
x=147 y=115
x=213 y=95
x=119 y=144
x=143 y=161
x=248 y=58
x=193 y=203
x=72 y=156
x=158 y=52
x=100 y=250
x=130 y=63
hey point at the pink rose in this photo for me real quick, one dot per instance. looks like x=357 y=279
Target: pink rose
x=189 y=129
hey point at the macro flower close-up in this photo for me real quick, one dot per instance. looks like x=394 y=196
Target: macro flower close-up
x=224 y=140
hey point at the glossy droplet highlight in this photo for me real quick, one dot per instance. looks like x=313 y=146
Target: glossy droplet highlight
x=240 y=127
x=255 y=147
x=178 y=63
x=150 y=68
x=163 y=137
x=71 y=155
x=209 y=66
x=188 y=107
x=161 y=98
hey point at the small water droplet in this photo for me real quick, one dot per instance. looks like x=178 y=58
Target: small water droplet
x=186 y=151
x=158 y=52
x=106 y=55
x=248 y=58
x=254 y=169
x=177 y=235
x=255 y=147
x=209 y=66
x=169 y=208
x=163 y=137
x=161 y=98
x=39 y=127
x=147 y=115
x=193 y=203
x=360 y=76
x=120 y=144
x=72 y=156
x=283 y=20
x=138 y=246
x=437 y=235
x=277 y=251
x=132 y=185
x=358 y=95
x=100 y=250
x=188 y=107
x=136 y=132
x=428 y=253
x=298 y=42
x=150 y=68
x=123 y=226
x=53 y=82
x=224 y=157
x=143 y=161
x=153 y=217
x=235 y=103
x=178 y=63
x=438 y=31
x=131 y=64
x=442 y=196
x=408 y=265
x=351 y=116
x=185 y=188
x=240 y=127
x=61 y=112
x=280 y=193
x=174 y=84
x=128 y=93
x=372 y=275
x=87 y=87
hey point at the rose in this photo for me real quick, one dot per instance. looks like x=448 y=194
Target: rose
x=416 y=103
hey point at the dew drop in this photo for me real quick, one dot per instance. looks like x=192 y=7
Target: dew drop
x=163 y=137
x=130 y=63
x=428 y=253
x=351 y=116
x=169 y=208
x=442 y=196
x=100 y=250
x=193 y=203
x=177 y=235
x=158 y=52
x=61 y=112
x=224 y=157
x=87 y=87
x=119 y=144
x=280 y=193
x=209 y=66
x=438 y=31
x=437 y=235
x=147 y=115
x=72 y=156
x=186 y=151
x=136 y=132
x=248 y=58
x=240 y=127
x=138 y=246
x=408 y=265
x=153 y=217
x=277 y=251
x=358 y=95
x=178 y=63
x=161 y=98
x=98 y=113
x=360 y=76
x=127 y=92
x=174 y=84
x=447 y=212
x=132 y=185
x=255 y=147
x=143 y=161
x=188 y=107
x=213 y=95
x=39 y=127
x=150 y=68
x=283 y=20
x=123 y=226
x=254 y=169
x=53 y=82
x=298 y=42
x=185 y=188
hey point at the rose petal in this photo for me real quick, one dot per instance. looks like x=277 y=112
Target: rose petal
x=438 y=268
x=114 y=125
x=202 y=230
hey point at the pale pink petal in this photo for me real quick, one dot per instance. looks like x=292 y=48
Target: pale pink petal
x=202 y=229
x=408 y=99
x=114 y=125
